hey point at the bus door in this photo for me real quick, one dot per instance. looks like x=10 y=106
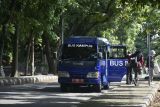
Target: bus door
x=103 y=64
x=117 y=63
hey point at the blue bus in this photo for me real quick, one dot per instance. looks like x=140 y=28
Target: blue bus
x=117 y=62
x=84 y=61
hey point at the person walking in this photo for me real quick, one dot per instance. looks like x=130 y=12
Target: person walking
x=129 y=70
x=135 y=61
x=140 y=63
x=150 y=63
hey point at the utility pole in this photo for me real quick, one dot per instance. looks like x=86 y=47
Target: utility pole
x=149 y=65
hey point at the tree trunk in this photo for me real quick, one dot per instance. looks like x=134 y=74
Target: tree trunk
x=27 y=59
x=28 y=53
x=48 y=53
x=15 y=52
x=32 y=54
x=1 y=49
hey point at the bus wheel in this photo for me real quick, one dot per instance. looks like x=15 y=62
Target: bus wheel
x=97 y=87
x=63 y=87
x=106 y=86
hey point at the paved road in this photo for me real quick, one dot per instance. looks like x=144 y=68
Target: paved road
x=49 y=95
x=43 y=94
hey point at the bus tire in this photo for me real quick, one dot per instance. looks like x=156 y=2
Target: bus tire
x=97 y=88
x=106 y=86
x=63 y=87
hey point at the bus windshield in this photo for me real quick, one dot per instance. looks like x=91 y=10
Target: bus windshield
x=79 y=52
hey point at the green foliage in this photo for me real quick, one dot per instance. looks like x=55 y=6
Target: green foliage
x=120 y=21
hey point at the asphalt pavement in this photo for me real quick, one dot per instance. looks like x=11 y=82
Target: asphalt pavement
x=122 y=95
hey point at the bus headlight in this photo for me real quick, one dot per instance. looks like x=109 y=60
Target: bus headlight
x=63 y=74
x=92 y=75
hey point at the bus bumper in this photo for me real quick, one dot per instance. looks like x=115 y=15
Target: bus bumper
x=86 y=81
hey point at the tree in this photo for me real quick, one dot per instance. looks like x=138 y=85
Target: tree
x=15 y=52
x=120 y=21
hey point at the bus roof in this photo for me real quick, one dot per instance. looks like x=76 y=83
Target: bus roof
x=86 y=40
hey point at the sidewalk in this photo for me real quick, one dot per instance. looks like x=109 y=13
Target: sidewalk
x=26 y=79
x=126 y=96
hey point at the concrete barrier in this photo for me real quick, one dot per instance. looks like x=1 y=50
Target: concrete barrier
x=26 y=79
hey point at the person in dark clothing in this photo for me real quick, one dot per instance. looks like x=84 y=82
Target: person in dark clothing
x=140 y=63
x=134 y=61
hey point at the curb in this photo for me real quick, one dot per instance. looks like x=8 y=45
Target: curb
x=26 y=80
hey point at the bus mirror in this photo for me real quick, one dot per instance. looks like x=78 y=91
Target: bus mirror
x=100 y=55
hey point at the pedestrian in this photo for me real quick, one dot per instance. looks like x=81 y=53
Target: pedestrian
x=136 y=62
x=140 y=63
x=150 y=63
x=129 y=71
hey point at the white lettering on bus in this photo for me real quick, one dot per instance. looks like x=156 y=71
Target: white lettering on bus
x=71 y=45
x=126 y=62
x=80 y=45
x=118 y=63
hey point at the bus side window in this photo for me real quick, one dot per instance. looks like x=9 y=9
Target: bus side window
x=104 y=52
x=102 y=49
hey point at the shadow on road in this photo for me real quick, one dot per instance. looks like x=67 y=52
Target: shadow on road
x=43 y=94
